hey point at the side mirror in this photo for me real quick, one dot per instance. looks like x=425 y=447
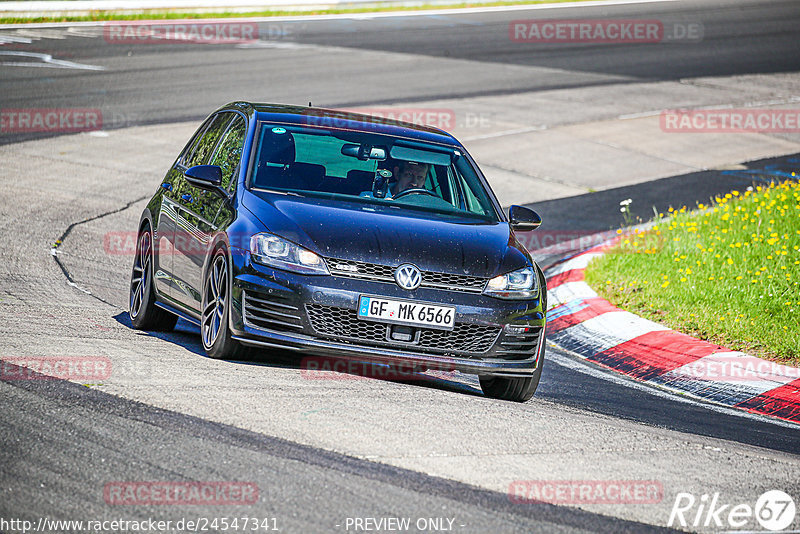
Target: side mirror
x=523 y=219
x=205 y=176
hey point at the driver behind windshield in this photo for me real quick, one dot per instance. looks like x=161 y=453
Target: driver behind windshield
x=409 y=175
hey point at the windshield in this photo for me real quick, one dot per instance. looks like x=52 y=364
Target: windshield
x=369 y=168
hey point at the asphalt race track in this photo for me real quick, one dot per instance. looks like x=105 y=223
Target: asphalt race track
x=561 y=127
x=333 y=62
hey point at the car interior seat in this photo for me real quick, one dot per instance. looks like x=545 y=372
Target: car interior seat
x=358 y=181
x=308 y=175
x=276 y=154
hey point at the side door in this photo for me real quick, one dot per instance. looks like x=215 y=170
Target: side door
x=197 y=209
x=165 y=223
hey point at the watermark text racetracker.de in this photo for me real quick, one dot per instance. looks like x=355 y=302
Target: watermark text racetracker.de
x=148 y=32
x=748 y=120
x=327 y=368
x=586 y=491
x=598 y=31
x=82 y=368
x=55 y=120
x=558 y=241
x=148 y=493
x=123 y=243
x=442 y=118
x=735 y=367
x=64 y=120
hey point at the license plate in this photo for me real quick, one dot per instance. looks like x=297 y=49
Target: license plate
x=406 y=312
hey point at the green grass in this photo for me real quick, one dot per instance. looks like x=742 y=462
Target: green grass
x=166 y=15
x=728 y=273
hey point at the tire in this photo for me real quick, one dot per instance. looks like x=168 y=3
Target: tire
x=142 y=310
x=513 y=389
x=215 y=310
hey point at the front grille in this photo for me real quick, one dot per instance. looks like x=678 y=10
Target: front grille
x=360 y=269
x=270 y=312
x=520 y=346
x=344 y=324
x=385 y=273
x=453 y=281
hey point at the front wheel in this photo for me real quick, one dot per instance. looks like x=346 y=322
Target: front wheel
x=144 y=313
x=217 y=339
x=513 y=389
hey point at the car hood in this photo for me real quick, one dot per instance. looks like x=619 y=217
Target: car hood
x=389 y=235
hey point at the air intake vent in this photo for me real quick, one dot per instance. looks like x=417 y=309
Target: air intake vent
x=269 y=312
x=344 y=324
x=520 y=346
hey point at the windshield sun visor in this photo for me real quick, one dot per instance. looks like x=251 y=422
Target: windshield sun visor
x=405 y=153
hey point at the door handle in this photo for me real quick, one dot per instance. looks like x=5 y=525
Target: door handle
x=166 y=186
x=187 y=198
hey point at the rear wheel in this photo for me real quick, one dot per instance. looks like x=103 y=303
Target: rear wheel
x=144 y=313
x=217 y=339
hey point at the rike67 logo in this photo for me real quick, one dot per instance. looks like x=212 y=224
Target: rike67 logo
x=774 y=511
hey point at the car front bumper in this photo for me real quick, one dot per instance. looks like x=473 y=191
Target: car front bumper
x=506 y=354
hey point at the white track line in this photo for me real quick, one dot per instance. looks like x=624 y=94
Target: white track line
x=361 y=16
x=45 y=60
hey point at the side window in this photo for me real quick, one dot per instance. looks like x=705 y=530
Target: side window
x=452 y=185
x=204 y=147
x=189 y=150
x=474 y=198
x=229 y=153
x=442 y=183
x=473 y=204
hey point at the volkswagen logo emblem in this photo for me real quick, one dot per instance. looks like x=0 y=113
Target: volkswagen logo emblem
x=408 y=276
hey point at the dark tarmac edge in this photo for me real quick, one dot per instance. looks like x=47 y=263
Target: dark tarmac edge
x=65 y=394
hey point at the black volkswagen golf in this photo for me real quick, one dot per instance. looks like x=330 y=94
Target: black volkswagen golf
x=341 y=235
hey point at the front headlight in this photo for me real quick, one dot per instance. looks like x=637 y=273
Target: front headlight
x=269 y=249
x=520 y=284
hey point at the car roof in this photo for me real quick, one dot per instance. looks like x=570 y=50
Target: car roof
x=345 y=120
